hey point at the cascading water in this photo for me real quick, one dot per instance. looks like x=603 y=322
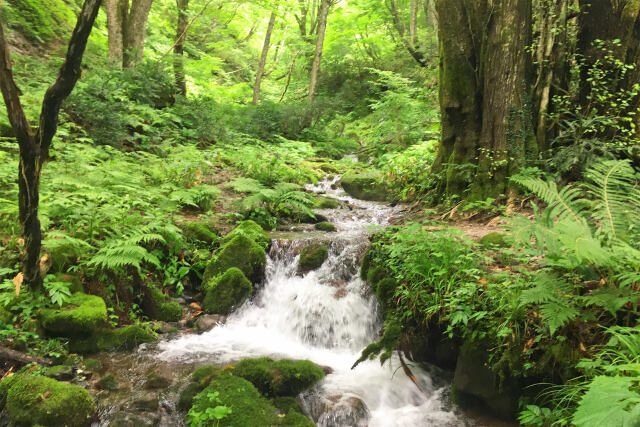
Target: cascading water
x=328 y=316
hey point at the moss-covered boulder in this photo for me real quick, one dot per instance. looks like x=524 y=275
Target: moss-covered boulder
x=197 y=231
x=326 y=203
x=75 y=285
x=226 y=292
x=82 y=315
x=5 y=316
x=252 y=230
x=364 y=186
x=157 y=306
x=249 y=408
x=36 y=400
x=493 y=240
x=325 y=226
x=385 y=291
x=279 y=378
x=241 y=252
x=312 y=257
x=125 y=338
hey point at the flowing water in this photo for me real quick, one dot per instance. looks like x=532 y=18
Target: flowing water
x=328 y=316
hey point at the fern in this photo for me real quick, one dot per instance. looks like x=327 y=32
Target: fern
x=609 y=401
x=127 y=251
x=554 y=297
x=285 y=199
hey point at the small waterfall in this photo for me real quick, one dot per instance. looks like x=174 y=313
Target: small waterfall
x=327 y=316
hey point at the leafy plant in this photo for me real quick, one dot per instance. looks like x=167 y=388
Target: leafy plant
x=212 y=415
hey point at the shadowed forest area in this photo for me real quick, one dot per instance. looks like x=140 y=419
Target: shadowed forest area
x=320 y=212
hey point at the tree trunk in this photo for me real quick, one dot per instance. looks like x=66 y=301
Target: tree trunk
x=263 y=59
x=114 y=28
x=413 y=23
x=178 y=49
x=315 y=65
x=34 y=148
x=134 y=31
x=400 y=28
x=486 y=130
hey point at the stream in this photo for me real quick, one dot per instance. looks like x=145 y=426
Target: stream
x=328 y=316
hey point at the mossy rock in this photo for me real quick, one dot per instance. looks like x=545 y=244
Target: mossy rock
x=326 y=203
x=156 y=381
x=365 y=264
x=252 y=230
x=375 y=274
x=159 y=308
x=93 y=365
x=312 y=257
x=204 y=374
x=185 y=401
x=65 y=404
x=227 y=292
x=286 y=404
x=80 y=316
x=325 y=226
x=197 y=231
x=108 y=382
x=59 y=372
x=279 y=378
x=327 y=168
x=6 y=316
x=364 y=186
x=493 y=240
x=385 y=290
x=240 y=252
x=125 y=338
x=6 y=384
x=249 y=408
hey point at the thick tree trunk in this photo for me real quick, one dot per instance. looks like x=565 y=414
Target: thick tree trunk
x=34 y=148
x=114 y=28
x=134 y=31
x=483 y=76
x=315 y=65
x=178 y=49
x=263 y=59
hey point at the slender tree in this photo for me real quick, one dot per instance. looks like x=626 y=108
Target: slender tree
x=263 y=59
x=323 y=14
x=34 y=143
x=178 y=49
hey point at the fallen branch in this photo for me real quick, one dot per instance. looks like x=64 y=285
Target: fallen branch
x=409 y=374
x=8 y=355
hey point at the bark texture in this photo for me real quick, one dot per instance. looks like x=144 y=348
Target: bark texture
x=114 y=29
x=484 y=73
x=127 y=28
x=317 y=57
x=263 y=59
x=178 y=49
x=34 y=146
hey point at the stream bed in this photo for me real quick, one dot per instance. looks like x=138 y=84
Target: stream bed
x=327 y=316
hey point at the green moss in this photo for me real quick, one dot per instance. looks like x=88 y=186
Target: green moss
x=6 y=384
x=185 y=401
x=365 y=186
x=385 y=290
x=375 y=274
x=279 y=378
x=83 y=314
x=252 y=230
x=286 y=404
x=92 y=364
x=493 y=240
x=240 y=252
x=248 y=407
x=5 y=316
x=227 y=292
x=108 y=382
x=200 y=232
x=366 y=264
x=161 y=309
x=154 y=381
x=296 y=419
x=325 y=226
x=326 y=203
x=312 y=257
x=74 y=281
x=326 y=167
x=65 y=405
x=125 y=338
x=204 y=374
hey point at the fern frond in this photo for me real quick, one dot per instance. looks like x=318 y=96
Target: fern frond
x=246 y=185
x=613 y=186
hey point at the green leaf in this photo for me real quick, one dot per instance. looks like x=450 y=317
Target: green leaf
x=609 y=402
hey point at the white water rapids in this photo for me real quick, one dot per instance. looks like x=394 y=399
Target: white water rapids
x=328 y=316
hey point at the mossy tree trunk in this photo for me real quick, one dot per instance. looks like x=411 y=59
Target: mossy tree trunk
x=178 y=49
x=323 y=14
x=263 y=59
x=34 y=144
x=484 y=76
x=114 y=29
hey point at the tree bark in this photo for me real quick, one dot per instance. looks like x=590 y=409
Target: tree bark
x=400 y=28
x=134 y=30
x=34 y=147
x=114 y=29
x=315 y=65
x=486 y=130
x=263 y=59
x=413 y=23
x=178 y=49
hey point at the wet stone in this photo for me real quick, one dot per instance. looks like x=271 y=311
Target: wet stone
x=209 y=321
x=156 y=381
x=123 y=419
x=146 y=402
